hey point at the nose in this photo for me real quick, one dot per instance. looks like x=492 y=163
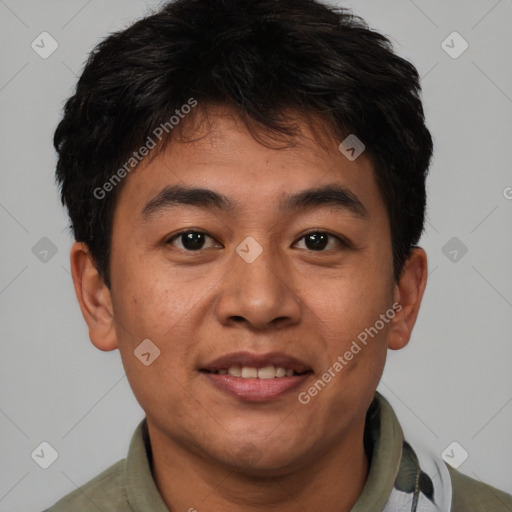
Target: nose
x=259 y=293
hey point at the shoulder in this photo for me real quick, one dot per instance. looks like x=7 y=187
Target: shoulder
x=470 y=495
x=104 y=492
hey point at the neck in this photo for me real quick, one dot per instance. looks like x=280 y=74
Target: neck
x=330 y=481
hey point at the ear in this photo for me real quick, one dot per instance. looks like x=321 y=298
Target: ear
x=94 y=298
x=408 y=293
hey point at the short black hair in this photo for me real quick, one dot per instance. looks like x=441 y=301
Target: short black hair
x=265 y=58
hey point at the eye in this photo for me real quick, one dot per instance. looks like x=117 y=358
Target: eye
x=319 y=240
x=191 y=240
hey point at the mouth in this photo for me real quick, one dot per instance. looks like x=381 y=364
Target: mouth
x=257 y=377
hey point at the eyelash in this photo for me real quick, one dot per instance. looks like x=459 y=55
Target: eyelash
x=342 y=242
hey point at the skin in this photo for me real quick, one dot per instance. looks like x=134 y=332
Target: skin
x=211 y=450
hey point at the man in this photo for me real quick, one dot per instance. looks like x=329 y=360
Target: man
x=246 y=185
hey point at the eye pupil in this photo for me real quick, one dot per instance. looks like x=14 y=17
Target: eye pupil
x=192 y=241
x=318 y=241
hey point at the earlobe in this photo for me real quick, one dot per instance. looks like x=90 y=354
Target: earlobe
x=408 y=293
x=94 y=298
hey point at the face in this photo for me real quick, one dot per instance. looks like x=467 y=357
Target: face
x=243 y=278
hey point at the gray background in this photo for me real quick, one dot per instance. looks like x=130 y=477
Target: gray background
x=452 y=383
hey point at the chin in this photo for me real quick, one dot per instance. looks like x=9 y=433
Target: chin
x=263 y=467
x=262 y=459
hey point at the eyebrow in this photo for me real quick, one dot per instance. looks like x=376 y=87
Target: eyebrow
x=329 y=196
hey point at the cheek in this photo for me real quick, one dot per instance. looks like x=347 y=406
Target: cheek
x=348 y=315
x=355 y=343
x=149 y=301
x=349 y=303
x=149 y=310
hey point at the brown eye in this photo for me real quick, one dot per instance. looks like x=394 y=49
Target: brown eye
x=190 y=240
x=319 y=240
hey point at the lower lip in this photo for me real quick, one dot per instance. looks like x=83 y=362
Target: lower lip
x=256 y=390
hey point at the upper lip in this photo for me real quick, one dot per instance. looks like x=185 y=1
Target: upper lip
x=254 y=360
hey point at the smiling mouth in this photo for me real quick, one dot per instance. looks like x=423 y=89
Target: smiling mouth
x=250 y=384
x=265 y=373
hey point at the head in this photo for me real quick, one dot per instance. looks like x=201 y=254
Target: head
x=248 y=101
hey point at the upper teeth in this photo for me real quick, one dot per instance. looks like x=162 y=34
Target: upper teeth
x=267 y=372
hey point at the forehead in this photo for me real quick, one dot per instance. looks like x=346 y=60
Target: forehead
x=223 y=156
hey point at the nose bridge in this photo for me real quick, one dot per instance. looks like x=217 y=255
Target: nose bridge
x=259 y=287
